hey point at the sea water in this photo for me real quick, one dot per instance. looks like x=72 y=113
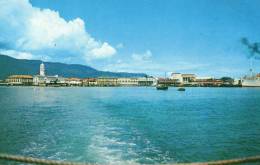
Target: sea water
x=130 y=124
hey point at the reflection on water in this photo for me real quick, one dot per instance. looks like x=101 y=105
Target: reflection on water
x=130 y=125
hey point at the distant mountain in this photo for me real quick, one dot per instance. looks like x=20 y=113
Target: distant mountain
x=10 y=66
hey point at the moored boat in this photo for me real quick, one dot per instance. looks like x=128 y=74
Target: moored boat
x=161 y=87
x=181 y=89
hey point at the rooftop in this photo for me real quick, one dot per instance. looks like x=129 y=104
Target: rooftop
x=20 y=76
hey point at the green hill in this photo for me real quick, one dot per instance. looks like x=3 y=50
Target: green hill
x=10 y=66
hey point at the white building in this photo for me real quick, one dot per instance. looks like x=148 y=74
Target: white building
x=127 y=81
x=42 y=69
x=73 y=81
x=43 y=80
x=177 y=77
x=183 y=78
x=204 y=78
x=147 y=81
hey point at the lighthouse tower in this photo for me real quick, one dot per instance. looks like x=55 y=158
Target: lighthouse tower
x=42 y=70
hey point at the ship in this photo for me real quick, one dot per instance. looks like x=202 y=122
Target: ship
x=251 y=81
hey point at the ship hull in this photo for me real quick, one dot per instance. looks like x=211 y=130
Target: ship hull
x=250 y=83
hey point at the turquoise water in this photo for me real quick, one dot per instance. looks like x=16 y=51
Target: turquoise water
x=130 y=125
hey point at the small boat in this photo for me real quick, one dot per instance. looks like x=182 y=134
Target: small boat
x=161 y=87
x=181 y=89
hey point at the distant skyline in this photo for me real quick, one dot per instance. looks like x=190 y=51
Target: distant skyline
x=149 y=36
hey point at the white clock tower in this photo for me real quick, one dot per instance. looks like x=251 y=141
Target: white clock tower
x=42 y=70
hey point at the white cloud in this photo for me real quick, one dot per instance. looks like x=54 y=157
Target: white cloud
x=36 y=30
x=120 y=46
x=139 y=62
x=145 y=63
x=17 y=54
x=143 y=57
x=104 y=51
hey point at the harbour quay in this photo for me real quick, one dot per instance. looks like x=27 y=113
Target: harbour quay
x=192 y=80
x=174 y=80
x=57 y=81
x=44 y=80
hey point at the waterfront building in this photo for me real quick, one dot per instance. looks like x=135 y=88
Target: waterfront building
x=188 y=78
x=42 y=69
x=55 y=80
x=107 y=81
x=20 y=80
x=3 y=83
x=167 y=82
x=39 y=80
x=89 y=82
x=193 y=80
x=73 y=81
x=227 y=81
x=43 y=80
x=123 y=81
x=183 y=79
x=177 y=77
x=127 y=81
x=146 y=81
x=208 y=81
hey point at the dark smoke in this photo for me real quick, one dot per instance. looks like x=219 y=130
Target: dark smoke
x=253 y=48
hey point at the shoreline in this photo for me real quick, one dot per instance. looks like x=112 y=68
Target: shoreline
x=126 y=86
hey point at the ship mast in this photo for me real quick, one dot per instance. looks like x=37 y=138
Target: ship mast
x=251 y=67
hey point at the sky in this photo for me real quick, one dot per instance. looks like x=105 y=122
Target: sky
x=149 y=36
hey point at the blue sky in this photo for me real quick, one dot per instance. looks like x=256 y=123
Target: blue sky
x=151 y=36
